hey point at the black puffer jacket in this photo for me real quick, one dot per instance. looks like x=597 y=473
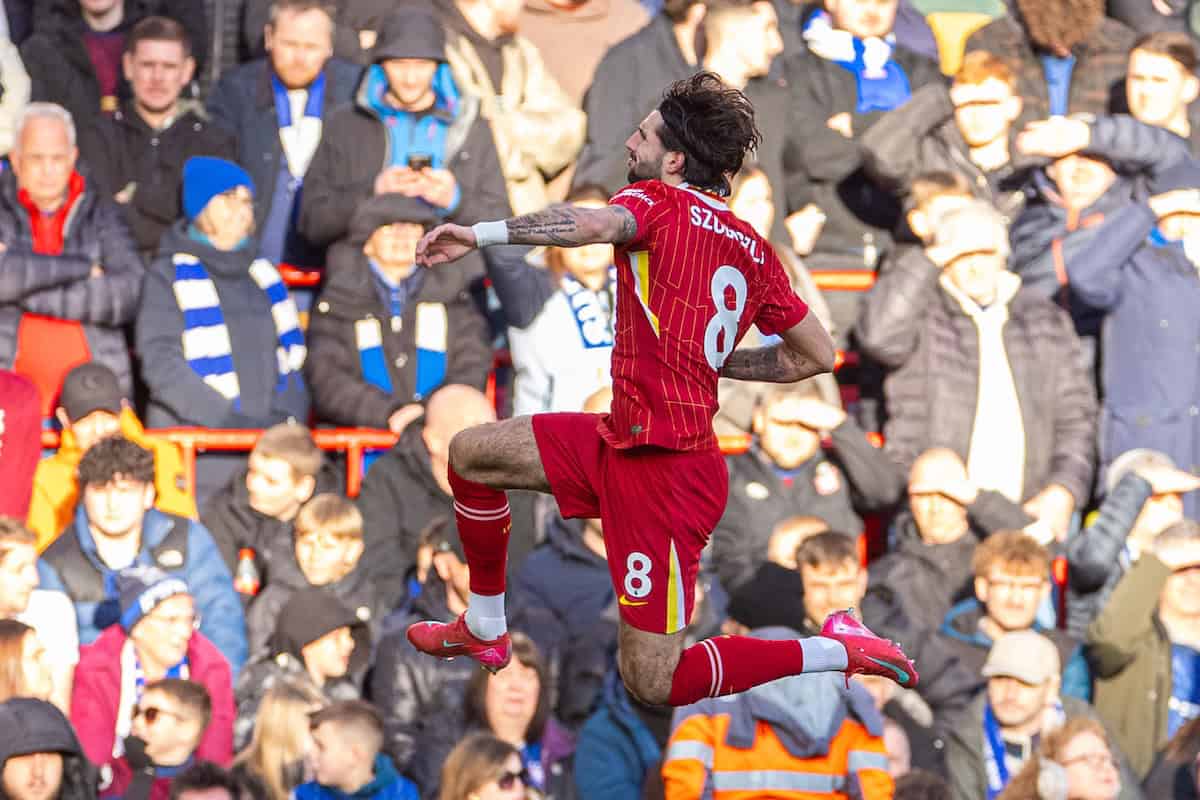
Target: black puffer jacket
x=62 y=286
x=35 y=726
x=912 y=325
x=341 y=394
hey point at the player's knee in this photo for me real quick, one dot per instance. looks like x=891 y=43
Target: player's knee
x=650 y=686
x=462 y=454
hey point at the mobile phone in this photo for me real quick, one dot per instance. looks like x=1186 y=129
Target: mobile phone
x=420 y=161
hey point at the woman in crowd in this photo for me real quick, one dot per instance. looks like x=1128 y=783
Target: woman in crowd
x=483 y=767
x=24 y=671
x=274 y=761
x=1073 y=763
x=514 y=705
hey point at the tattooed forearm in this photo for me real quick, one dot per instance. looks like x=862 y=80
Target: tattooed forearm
x=775 y=364
x=563 y=225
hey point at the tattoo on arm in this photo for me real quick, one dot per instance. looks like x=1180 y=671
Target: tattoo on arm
x=775 y=364
x=564 y=225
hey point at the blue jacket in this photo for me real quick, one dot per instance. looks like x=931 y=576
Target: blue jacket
x=1151 y=339
x=615 y=749
x=387 y=785
x=71 y=565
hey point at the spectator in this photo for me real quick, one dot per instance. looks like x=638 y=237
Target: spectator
x=1077 y=758
x=620 y=746
x=408 y=115
x=92 y=407
x=50 y=614
x=1171 y=16
x=515 y=705
x=14 y=80
x=275 y=759
x=207 y=290
x=156 y=639
x=20 y=442
x=1140 y=267
x=785 y=472
x=537 y=129
x=910 y=730
x=966 y=130
x=326 y=552
x=836 y=98
x=347 y=739
x=407 y=488
x=1078 y=191
x=74 y=56
x=205 y=780
x=482 y=765
x=356 y=25
x=1012 y=580
x=277 y=108
x=256 y=509
x=66 y=288
x=627 y=85
x=922 y=785
x=573 y=36
x=413 y=692
x=115 y=527
x=1003 y=726
x=169 y=724
x=762 y=736
x=929 y=569
x=1141 y=647
x=24 y=669
x=1068 y=57
x=564 y=355
x=1174 y=772
x=1031 y=439
x=40 y=755
x=1143 y=498
x=136 y=156
x=1161 y=84
x=366 y=373
x=317 y=640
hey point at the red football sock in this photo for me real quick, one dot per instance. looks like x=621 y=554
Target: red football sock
x=731 y=664
x=483 y=524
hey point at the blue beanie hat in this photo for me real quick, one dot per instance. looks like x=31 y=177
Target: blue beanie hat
x=205 y=177
x=140 y=589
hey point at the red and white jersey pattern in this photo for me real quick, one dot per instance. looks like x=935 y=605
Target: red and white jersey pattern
x=690 y=284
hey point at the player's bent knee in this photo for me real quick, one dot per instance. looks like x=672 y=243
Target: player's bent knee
x=464 y=454
x=650 y=689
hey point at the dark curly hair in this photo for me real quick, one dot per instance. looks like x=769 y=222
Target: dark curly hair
x=1060 y=23
x=115 y=457
x=712 y=125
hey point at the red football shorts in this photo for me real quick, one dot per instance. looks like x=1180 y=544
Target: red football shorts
x=657 y=507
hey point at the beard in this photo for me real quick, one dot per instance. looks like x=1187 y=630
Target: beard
x=644 y=171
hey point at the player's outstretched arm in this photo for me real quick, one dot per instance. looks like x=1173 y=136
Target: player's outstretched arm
x=559 y=225
x=806 y=350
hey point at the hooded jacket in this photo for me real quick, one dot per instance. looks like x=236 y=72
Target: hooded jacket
x=441 y=337
x=806 y=736
x=63 y=286
x=55 y=489
x=178 y=395
x=618 y=747
x=73 y=566
x=96 y=696
x=355 y=149
x=30 y=726
x=386 y=784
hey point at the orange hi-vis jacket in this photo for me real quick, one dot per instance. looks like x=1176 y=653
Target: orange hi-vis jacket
x=757 y=746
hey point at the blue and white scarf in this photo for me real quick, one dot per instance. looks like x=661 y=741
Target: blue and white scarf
x=299 y=137
x=594 y=312
x=206 y=345
x=431 y=336
x=882 y=84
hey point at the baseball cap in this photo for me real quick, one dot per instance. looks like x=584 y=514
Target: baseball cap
x=1170 y=478
x=1026 y=655
x=90 y=387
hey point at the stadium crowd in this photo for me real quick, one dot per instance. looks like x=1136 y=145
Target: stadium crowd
x=993 y=204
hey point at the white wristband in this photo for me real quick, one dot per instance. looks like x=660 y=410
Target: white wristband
x=490 y=233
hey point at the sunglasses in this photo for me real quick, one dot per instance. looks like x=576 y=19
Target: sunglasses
x=509 y=779
x=152 y=713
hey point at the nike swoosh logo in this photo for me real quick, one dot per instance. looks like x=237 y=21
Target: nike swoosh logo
x=901 y=675
x=625 y=601
x=460 y=644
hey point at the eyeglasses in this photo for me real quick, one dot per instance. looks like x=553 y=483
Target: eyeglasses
x=191 y=621
x=507 y=780
x=1094 y=761
x=152 y=713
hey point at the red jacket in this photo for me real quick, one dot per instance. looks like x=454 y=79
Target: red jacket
x=97 y=693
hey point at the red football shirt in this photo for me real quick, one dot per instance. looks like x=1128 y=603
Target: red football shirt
x=689 y=285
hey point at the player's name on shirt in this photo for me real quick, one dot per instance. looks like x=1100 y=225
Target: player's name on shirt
x=705 y=219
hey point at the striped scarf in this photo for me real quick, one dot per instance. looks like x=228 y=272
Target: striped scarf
x=206 y=345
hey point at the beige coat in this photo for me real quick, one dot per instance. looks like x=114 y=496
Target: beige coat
x=538 y=131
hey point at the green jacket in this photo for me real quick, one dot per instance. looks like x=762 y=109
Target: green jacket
x=1130 y=655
